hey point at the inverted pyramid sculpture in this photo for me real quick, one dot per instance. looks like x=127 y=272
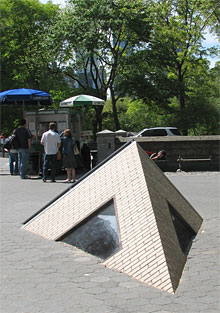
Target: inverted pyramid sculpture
x=155 y=223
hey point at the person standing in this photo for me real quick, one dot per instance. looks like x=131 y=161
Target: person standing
x=24 y=137
x=69 y=160
x=12 y=156
x=51 y=142
x=86 y=156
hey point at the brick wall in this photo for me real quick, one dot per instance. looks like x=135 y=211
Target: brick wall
x=150 y=250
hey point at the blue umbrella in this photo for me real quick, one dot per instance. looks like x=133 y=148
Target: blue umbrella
x=24 y=95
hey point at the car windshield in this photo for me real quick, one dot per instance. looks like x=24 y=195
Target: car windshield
x=154 y=132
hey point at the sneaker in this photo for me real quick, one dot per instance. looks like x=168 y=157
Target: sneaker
x=53 y=181
x=67 y=181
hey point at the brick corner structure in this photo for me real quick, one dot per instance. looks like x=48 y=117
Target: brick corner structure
x=156 y=224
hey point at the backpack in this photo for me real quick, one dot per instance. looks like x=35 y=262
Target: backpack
x=7 y=145
x=15 y=143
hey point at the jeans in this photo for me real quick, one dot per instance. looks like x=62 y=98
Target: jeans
x=13 y=158
x=23 y=155
x=50 y=159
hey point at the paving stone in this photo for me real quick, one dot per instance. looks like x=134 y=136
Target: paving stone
x=126 y=295
x=100 y=309
x=99 y=279
x=109 y=284
x=90 y=301
x=129 y=284
x=163 y=312
x=115 y=302
x=161 y=301
x=95 y=290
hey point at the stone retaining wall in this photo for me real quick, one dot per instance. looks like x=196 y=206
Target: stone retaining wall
x=186 y=147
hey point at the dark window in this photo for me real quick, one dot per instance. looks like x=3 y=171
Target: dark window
x=98 y=234
x=159 y=132
x=185 y=233
x=146 y=133
x=154 y=132
x=175 y=132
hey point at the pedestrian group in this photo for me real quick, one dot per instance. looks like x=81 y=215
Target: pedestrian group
x=53 y=143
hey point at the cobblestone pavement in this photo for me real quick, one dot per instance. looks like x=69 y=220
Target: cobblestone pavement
x=41 y=276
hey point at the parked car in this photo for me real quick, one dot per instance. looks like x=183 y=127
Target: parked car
x=158 y=131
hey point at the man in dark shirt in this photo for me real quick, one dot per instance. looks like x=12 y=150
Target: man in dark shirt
x=24 y=136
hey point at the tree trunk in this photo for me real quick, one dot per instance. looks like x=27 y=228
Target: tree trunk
x=184 y=126
x=97 y=122
x=114 y=109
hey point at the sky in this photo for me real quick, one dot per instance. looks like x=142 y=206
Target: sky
x=210 y=40
x=61 y=2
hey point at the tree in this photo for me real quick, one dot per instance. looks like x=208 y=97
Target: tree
x=25 y=60
x=173 y=57
x=96 y=36
x=203 y=103
x=134 y=115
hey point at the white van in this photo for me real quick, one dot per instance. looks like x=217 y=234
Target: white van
x=158 y=131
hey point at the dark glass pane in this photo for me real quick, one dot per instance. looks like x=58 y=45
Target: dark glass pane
x=154 y=132
x=184 y=232
x=175 y=132
x=160 y=132
x=147 y=133
x=98 y=234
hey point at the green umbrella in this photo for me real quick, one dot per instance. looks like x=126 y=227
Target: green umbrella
x=81 y=100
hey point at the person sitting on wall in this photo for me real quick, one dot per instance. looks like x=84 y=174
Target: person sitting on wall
x=160 y=155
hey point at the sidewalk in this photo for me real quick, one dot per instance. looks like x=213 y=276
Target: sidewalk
x=41 y=276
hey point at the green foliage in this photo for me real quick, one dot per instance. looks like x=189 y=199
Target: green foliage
x=202 y=108
x=12 y=116
x=203 y=103
x=173 y=58
x=25 y=60
x=149 y=56
x=134 y=115
x=138 y=116
x=96 y=36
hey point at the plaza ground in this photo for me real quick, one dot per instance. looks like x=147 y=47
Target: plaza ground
x=41 y=276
